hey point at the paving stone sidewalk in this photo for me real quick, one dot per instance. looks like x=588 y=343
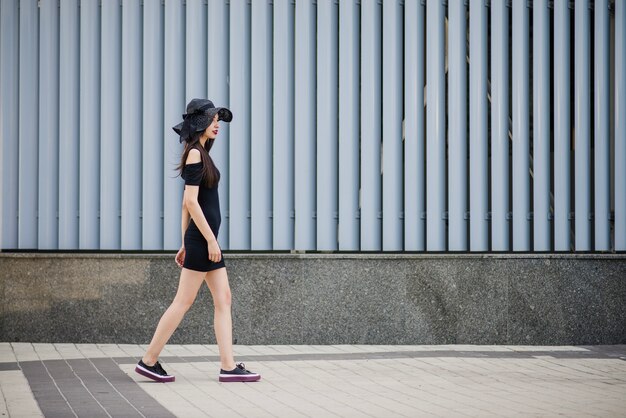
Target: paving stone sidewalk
x=97 y=380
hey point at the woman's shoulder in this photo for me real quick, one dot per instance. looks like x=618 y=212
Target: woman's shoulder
x=193 y=157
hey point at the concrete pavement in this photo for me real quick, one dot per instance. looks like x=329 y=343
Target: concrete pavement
x=93 y=380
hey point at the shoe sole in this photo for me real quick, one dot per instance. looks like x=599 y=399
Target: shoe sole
x=239 y=378
x=152 y=376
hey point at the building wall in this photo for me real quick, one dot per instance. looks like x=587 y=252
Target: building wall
x=503 y=126
x=527 y=299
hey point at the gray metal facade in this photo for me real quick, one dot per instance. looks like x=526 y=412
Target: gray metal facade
x=401 y=125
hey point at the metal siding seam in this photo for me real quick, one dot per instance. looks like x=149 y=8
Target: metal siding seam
x=457 y=126
x=48 y=126
x=110 y=151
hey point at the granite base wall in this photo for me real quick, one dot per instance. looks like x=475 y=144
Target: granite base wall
x=322 y=299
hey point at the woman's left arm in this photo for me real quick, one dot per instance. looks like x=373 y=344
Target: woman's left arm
x=184 y=223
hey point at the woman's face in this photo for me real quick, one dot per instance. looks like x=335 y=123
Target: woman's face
x=213 y=129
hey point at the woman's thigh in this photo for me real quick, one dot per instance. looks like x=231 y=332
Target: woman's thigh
x=188 y=285
x=217 y=281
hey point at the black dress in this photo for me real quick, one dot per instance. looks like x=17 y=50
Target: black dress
x=196 y=248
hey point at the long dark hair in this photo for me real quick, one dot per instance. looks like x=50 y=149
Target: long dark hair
x=210 y=175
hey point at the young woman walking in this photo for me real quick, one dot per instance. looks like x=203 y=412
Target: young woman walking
x=200 y=256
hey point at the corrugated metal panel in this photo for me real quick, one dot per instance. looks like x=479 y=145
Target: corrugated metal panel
x=9 y=123
x=435 y=127
x=89 y=185
x=414 y=133
x=348 y=164
x=521 y=128
x=562 y=130
x=620 y=127
x=500 y=149
x=48 y=181
x=457 y=127
x=283 y=124
x=542 y=116
x=332 y=146
x=111 y=125
x=261 y=126
x=479 y=162
x=152 y=129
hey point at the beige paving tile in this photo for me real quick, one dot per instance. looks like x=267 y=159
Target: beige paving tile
x=6 y=353
x=91 y=351
x=24 y=351
x=17 y=399
x=47 y=352
x=68 y=351
x=111 y=350
x=177 y=350
x=132 y=350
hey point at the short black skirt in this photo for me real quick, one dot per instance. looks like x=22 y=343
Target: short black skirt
x=197 y=253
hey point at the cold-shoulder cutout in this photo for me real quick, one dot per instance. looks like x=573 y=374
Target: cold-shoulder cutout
x=193 y=157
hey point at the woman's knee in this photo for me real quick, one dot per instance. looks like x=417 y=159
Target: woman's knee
x=182 y=303
x=223 y=299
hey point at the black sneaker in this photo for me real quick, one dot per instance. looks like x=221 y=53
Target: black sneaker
x=239 y=374
x=155 y=372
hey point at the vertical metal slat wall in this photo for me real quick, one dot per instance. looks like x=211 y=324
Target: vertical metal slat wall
x=359 y=125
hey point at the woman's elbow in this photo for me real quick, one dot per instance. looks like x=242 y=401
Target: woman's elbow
x=189 y=202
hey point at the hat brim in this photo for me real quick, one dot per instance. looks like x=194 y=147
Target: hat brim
x=224 y=114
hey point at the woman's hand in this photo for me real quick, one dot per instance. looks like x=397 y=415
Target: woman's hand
x=180 y=256
x=215 y=254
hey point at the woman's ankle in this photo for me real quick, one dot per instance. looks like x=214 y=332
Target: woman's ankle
x=149 y=361
x=228 y=365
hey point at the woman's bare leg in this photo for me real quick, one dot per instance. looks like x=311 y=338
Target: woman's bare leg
x=217 y=280
x=188 y=286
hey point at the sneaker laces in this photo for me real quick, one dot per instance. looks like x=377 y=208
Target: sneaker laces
x=242 y=366
x=159 y=368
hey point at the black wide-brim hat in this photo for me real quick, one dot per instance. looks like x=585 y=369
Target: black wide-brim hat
x=200 y=114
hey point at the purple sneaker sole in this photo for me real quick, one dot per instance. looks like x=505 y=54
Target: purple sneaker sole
x=239 y=378
x=153 y=376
